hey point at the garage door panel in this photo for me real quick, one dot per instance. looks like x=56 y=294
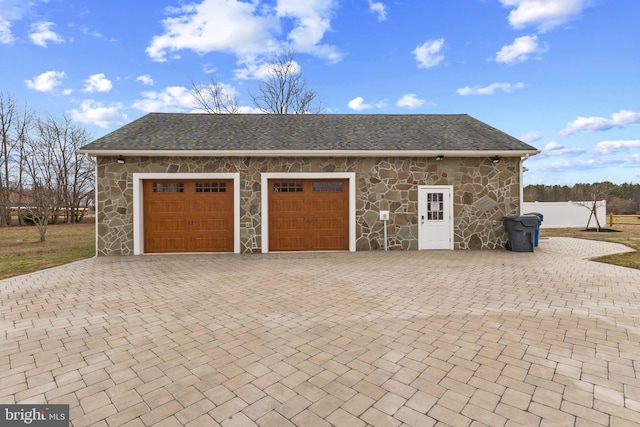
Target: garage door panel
x=288 y=206
x=328 y=223
x=290 y=243
x=288 y=224
x=212 y=205
x=167 y=225
x=168 y=244
x=329 y=243
x=166 y=206
x=326 y=204
x=211 y=244
x=212 y=224
x=188 y=215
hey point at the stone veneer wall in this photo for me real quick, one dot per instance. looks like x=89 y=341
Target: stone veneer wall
x=482 y=194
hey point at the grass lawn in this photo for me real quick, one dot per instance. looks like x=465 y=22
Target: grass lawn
x=22 y=252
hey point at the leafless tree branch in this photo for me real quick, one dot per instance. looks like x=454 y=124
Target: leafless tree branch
x=285 y=91
x=215 y=97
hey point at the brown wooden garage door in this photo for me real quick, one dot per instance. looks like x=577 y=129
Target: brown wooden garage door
x=188 y=216
x=308 y=215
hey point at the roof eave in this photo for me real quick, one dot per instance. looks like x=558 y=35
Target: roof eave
x=309 y=153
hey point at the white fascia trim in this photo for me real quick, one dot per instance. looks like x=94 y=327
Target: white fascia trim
x=138 y=214
x=351 y=176
x=310 y=153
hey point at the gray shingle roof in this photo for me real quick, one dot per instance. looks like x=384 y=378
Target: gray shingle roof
x=257 y=132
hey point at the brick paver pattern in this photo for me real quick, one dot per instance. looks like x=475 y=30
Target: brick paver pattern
x=431 y=338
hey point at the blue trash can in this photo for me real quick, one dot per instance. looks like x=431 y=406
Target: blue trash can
x=537 y=234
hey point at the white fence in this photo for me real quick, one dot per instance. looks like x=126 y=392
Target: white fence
x=567 y=214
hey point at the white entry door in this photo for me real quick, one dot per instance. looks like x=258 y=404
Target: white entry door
x=435 y=212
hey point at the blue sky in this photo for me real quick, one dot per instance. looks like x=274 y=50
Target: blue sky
x=562 y=75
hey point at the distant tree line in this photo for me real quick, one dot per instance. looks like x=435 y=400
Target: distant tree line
x=622 y=199
x=43 y=179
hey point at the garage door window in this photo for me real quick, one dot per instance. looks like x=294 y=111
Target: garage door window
x=287 y=187
x=327 y=187
x=211 y=187
x=168 y=187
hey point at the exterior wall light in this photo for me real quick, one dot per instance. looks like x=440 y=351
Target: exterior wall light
x=440 y=158
x=120 y=160
x=495 y=160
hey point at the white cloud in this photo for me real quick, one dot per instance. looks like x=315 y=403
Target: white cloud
x=97 y=83
x=171 y=100
x=409 y=100
x=12 y=10
x=208 y=69
x=41 y=34
x=178 y=99
x=521 y=49
x=379 y=8
x=244 y=109
x=145 y=80
x=559 y=166
x=261 y=71
x=622 y=118
x=544 y=14
x=358 y=104
x=489 y=90
x=608 y=147
x=5 y=32
x=428 y=54
x=98 y=114
x=530 y=137
x=224 y=90
x=312 y=19
x=214 y=25
x=555 y=149
x=47 y=81
x=553 y=146
x=88 y=32
x=246 y=29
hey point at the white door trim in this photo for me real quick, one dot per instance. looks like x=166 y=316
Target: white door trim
x=351 y=176
x=138 y=214
x=421 y=204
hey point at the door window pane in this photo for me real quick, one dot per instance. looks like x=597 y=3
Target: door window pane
x=211 y=187
x=327 y=187
x=287 y=187
x=435 y=207
x=168 y=187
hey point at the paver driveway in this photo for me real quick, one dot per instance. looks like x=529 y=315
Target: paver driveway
x=348 y=339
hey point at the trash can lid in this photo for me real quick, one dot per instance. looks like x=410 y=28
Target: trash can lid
x=529 y=220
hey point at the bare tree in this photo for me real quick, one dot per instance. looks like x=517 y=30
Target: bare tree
x=598 y=194
x=215 y=97
x=24 y=124
x=73 y=172
x=7 y=143
x=14 y=126
x=42 y=184
x=284 y=90
x=56 y=179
